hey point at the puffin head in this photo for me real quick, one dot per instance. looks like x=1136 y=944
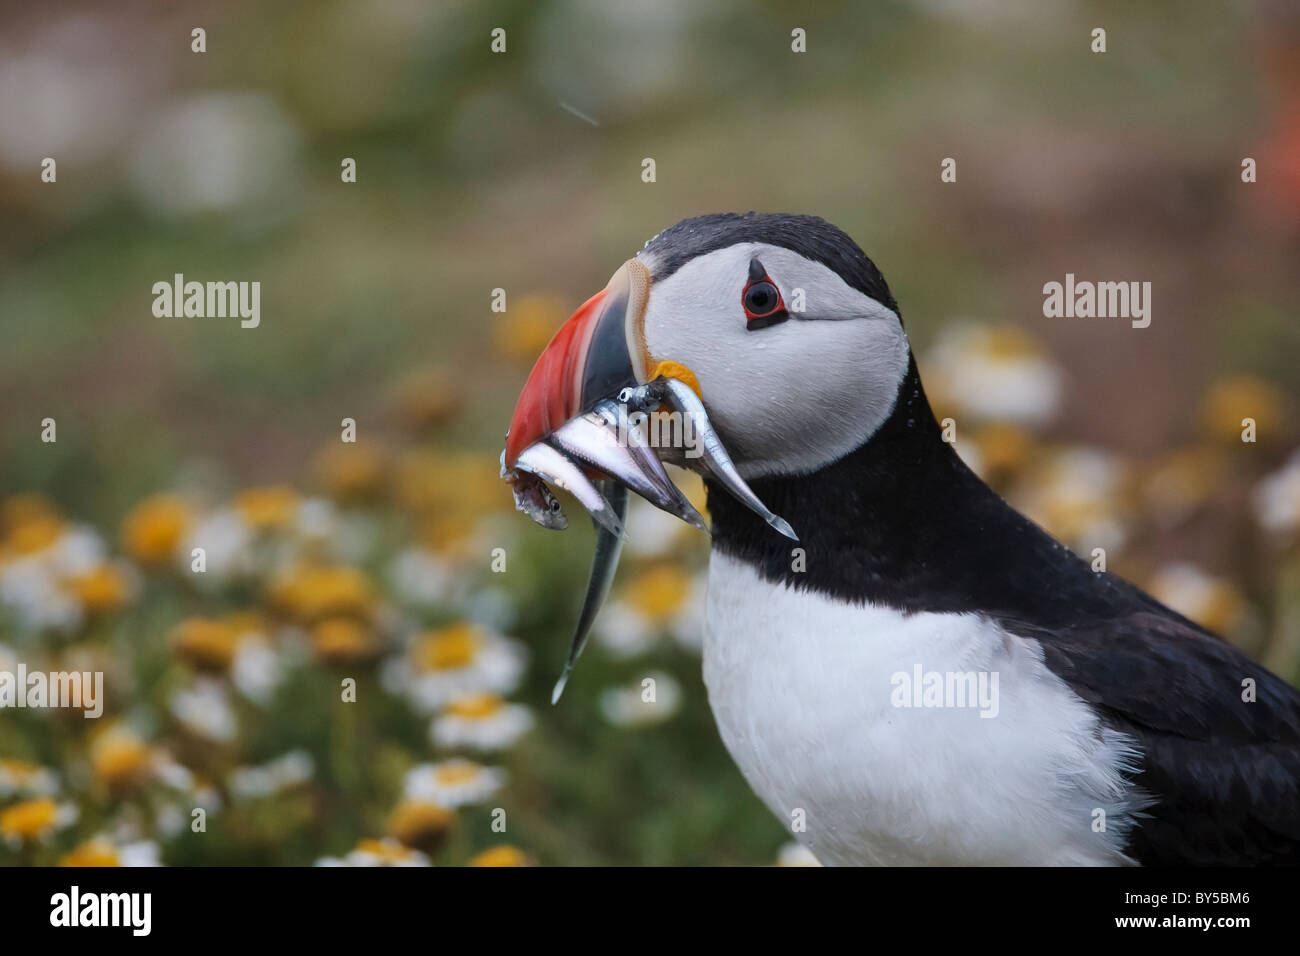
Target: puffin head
x=782 y=326
x=789 y=329
x=773 y=336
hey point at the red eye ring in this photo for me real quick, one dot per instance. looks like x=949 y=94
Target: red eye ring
x=761 y=299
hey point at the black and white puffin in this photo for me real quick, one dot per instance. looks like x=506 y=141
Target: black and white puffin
x=1123 y=733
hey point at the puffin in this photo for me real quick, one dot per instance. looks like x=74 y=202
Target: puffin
x=905 y=669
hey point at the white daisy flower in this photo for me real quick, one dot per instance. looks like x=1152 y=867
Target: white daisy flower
x=256 y=670
x=385 y=852
x=1078 y=496
x=205 y=710
x=453 y=783
x=455 y=661
x=104 y=851
x=796 y=854
x=226 y=540
x=1212 y=602
x=275 y=776
x=35 y=594
x=481 y=722
x=317 y=519
x=421 y=578
x=651 y=700
x=993 y=374
x=658 y=601
x=34 y=820
x=20 y=778
x=79 y=550
x=1277 y=498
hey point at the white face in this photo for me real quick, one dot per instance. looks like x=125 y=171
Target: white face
x=794 y=397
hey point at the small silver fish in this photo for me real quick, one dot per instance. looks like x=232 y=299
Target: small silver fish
x=603 y=565
x=534 y=499
x=618 y=449
x=554 y=468
x=714 y=457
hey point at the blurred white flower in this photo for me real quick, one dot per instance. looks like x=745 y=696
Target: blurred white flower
x=66 y=93
x=105 y=851
x=642 y=703
x=78 y=550
x=317 y=519
x=456 y=661
x=36 y=598
x=217 y=152
x=273 y=777
x=226 y=540
x=421 y=578
x=1277 y=498
x=796 y=854
x=385 y=852
x=205 y=710
x=19 y=778
x=453 y=783
x=481 y=722
x=659 y=601
x=992 y=373
x=625 y=55
x=256 y=670
x=1077 y=494
x=1212 y=602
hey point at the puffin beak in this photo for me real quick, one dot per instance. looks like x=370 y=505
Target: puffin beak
x=569 y=430
x=577 y=426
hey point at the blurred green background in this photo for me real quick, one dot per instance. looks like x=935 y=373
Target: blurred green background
x=475 y=173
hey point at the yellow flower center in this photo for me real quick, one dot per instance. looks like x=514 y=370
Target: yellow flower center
x=1231 y=401
x=658 y=593
x=120 y=759
x=527 y=327
x=1008 y=342
x=20 y=769
x=152 y=531
x=456 y=772
x=270 y=507
x=103 y=589
x=311 y=593
x=36 y=534
x=1004 y=446
x=351 y=470
x=341 y=639
x=501 y=856
x=417 y=821
x=448 y=649
x=205 y=644
x=96 y=852
x=389 y=851
x=28 y=819
x=476 y=706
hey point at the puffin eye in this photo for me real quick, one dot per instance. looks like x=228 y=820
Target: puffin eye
x=761 y=299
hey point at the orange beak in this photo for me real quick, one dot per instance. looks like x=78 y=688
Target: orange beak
x=597 y=352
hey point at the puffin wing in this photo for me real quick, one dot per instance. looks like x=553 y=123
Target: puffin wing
x=1219 y=736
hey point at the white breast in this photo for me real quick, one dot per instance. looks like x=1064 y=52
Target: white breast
x=808 y=699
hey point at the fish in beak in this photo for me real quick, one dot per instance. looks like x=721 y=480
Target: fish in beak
x=578 y=426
